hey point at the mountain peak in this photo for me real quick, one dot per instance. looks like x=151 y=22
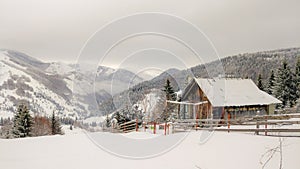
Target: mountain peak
x=24 y=59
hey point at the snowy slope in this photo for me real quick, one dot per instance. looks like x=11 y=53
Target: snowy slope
x=56 y=86
x=19 y=86
x=222 y=150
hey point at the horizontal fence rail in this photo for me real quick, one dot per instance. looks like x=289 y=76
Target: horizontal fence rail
x=260 y=123
x=267 y=124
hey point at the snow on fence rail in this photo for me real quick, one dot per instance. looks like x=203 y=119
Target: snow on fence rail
x=261 y=123
x=257 y=121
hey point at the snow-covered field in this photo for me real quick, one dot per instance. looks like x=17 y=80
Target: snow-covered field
x=75 y=150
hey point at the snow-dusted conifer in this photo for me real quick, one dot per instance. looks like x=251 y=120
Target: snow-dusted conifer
x=271 y=83
x=23 y=122
x=285 y=87
x=170 y=95
x=297 y=77
x=55 y=125
x=260 y=83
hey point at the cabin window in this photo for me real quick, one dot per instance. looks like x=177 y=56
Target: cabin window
x=217 y=112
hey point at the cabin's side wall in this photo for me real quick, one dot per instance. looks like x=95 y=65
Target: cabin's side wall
x=205 y=110
x=191 y=96
x=271 y=109
x=195 y=94
x=242 y=111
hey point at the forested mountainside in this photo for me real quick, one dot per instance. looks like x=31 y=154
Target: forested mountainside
x=247 y=65
x=250 y=65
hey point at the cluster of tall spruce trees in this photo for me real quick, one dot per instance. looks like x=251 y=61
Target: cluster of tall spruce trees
x=283 y=84
x=24 y=125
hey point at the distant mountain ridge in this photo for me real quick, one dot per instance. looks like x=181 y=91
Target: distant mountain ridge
x=50 y=86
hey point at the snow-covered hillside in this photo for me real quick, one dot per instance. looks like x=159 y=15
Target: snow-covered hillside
x=56 y=86
x=223 y=150
x=19 y=85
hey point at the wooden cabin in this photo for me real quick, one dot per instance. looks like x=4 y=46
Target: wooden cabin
x=223 y=96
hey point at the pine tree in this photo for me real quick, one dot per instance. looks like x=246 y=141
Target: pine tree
x=55 y=125
x=259 y=82
x=1 y=121
x=23 y=122
x=168 y=89
x=170 y=95
x=120 y=117
x=285 y=87
x=293 y=91
x=297 y=77
x=107 y=122
x=271 y=83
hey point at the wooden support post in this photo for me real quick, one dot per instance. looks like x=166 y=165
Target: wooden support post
x=257 y=128
x=154 y=128
x=184 y=109
x=207 y=111
x=178 y=111
x=266 y=125
x=165 y=128
x=228 y=121
x=200 y=114
x=194 y=114
x=211 y=120
x=173 y=129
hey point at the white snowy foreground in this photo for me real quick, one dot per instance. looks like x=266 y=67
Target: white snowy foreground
x=222 y=151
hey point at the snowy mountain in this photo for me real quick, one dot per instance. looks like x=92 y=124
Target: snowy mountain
x=48 y=87
x=23 y=80
x=75 y=91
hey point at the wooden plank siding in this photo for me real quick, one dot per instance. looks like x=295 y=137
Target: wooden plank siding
x=206 y=111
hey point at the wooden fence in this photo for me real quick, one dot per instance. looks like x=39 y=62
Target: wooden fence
x=261 y=123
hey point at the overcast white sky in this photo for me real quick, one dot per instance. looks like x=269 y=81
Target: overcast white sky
x=56 y=30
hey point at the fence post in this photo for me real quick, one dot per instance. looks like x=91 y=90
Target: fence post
x=154 y=128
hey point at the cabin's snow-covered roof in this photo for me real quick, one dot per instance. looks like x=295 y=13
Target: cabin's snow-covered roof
x=234 y=92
